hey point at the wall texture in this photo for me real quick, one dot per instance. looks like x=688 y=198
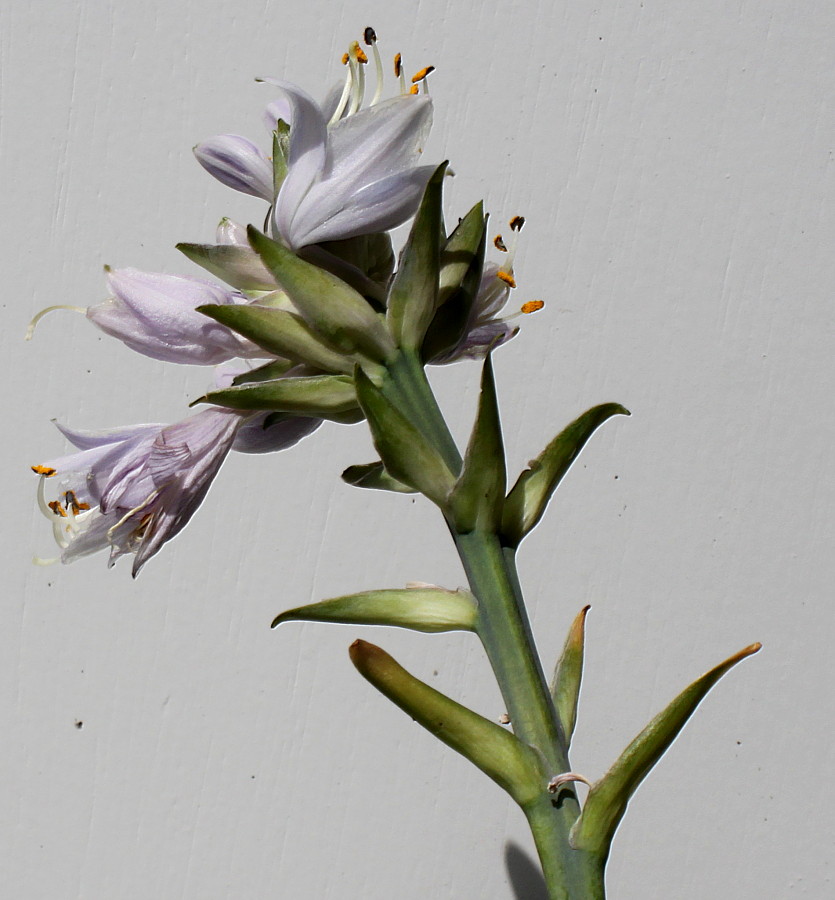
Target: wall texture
x=674 y=162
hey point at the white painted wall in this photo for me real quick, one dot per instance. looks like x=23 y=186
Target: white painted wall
x=675 y=165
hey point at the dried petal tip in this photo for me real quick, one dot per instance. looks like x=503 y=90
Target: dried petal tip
x=45 y=471
x=419 y=76
x=559 y=780
x=369 y=36
x=532 y=306
x=516 y=223
x=397 y=65
x=507 y=278
x=499 y=243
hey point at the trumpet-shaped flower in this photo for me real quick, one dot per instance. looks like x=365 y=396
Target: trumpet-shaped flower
x=357 y=175
x=133 y=489
x=155 y=315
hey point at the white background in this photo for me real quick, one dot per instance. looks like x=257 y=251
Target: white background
x=674 y=162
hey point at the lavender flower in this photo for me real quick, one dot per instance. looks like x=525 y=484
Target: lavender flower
x=133 y=489
x=355 y=174
x=155 y=315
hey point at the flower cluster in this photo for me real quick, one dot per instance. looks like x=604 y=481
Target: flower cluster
x=298 y=309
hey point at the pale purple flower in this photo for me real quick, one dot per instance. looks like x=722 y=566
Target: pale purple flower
x=236 y=162
x=357 y=175
x=155 y=315
x=133 y=489
x=486 y=329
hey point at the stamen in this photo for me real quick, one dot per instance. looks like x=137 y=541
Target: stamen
x=532 y=306
x=58 y=534
x=399 y=73
x=361 y=57
x=344 y=59
x=370 y=38
x=358 y=90
x=30 y=329
x=413 y=89
x=43 y=506
x=57 y=509
x=419 y=76
x=507 y=278
x=516 y=224
x=499 y=244
x=346 y=93
x=46 y=471
x=71 y=501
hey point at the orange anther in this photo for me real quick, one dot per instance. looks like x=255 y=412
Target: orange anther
x=419 y=76
x=532 y=306
x=507 y=278
x=499 y=244
x=43 y=470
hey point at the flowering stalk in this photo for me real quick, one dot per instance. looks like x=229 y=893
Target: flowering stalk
x=316 y=323
x=504 y=630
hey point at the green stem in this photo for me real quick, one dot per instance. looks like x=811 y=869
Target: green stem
x=505 y=632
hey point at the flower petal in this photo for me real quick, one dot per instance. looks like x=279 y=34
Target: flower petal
x=308 y=149
x=254 y=437
x=155 y=315
x=237 y=163
x=377 y=207
x=378 y=141
x=231 y=233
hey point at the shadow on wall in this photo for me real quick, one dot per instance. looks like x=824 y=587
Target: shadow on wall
x=525 y=875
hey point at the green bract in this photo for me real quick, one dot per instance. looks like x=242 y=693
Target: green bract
x=608 y=797
x=282 y=333
x=499 y=754
x=413 y=297
x=330 y=306
x=407 y=455
x=428 y=609
x=323 y=396
x=528 y=498
x=478 y=496
x=565 y=685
